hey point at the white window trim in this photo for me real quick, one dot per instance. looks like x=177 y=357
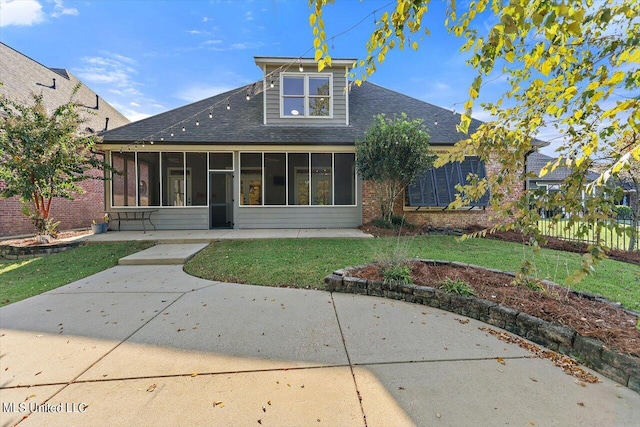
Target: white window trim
x=306 y=96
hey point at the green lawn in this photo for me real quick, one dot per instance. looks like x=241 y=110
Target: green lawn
x=24 y=278
x=305 y=262
x=610 y=238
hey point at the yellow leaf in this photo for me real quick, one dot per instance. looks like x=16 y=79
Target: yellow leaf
x=617 y=77
x=312 y=19
x=321 y=65
x=316 y=43
x=318 y=55
x=635 y=55
x=578 y=114
x=414 y=45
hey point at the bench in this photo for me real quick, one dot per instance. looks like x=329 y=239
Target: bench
x=137 y=215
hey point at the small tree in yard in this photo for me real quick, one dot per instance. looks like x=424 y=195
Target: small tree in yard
x=43 y=156
x=392 y=155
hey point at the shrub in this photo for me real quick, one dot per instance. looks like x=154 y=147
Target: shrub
x=397 y=274
x=623 y=212
x=457 y=287
x=396 y=222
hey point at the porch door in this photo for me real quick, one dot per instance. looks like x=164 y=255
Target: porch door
x=220 y=200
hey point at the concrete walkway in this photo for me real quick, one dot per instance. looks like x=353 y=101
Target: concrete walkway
x=206 y=236
x=151 y=345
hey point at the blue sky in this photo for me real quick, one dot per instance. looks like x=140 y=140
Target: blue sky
x=148 y=56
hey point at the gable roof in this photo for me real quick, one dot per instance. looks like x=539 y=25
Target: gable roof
x=21 y=76
x=537 y=161
x=243 y=123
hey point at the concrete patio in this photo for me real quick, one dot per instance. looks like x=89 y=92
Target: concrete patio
x=147 y=344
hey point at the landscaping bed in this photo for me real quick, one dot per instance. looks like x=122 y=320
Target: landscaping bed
x=601 y=334
x=26 y=247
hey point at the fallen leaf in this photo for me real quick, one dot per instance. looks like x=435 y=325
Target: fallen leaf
x=462 y=321
x=269 y=402
x=180 y=330
x=400 y=388
x=30 y=397
x=264 y=409
x=218 y=403
x=438 y=415
x=195 y=374
x=259 y=421
x=500 y=360
x=580 y=403
x=38 y=373
x=580 y=383
x=152 y=387
x=533 y=379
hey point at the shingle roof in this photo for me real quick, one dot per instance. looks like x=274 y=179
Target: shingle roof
x=537 y=161
x=21 y=76
x=243 y=123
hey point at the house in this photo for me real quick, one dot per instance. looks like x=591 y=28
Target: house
x=21 y=77
x=277 y=154
x=551 y=182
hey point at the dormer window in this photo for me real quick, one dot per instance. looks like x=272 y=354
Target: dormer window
x=306 y=95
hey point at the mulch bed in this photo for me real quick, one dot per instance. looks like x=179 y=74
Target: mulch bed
x=605 y=322
x=31 y=241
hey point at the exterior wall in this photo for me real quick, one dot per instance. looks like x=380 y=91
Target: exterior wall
x=72 y=214
x=168 y=218
x=434 y=217
x=339 y=96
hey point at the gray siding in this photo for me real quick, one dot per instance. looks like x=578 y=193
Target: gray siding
x=339 y=95
x=192 y=218
x=299 y=217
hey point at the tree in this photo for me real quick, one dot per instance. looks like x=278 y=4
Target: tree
x=44 y=155
x=571 y=66
x=629 y=176
x=392 y=154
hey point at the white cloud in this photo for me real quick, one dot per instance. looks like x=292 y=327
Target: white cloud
x=60 y=10
x=115 y=74
x=249 y=16
x=20 y=12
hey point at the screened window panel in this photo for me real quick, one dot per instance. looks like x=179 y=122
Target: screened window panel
x=221 y=161
x=123 y=183
x=321 y=179
x=298 y=178
x=197 y=175
x=436 y=186
x=345 y=179
x=251 y=179
x=148 y=179
x=275 y=172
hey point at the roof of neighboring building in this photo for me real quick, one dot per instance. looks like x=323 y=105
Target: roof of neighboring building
x=537 y=161
x=243 y=123
x=21 y=77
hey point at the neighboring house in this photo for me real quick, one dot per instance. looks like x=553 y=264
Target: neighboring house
x=551 y=181
x=278 y=154
x=21 y=76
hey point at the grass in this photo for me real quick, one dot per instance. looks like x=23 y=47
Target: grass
x=611 y=238
x=305 y=262
x=24 y=278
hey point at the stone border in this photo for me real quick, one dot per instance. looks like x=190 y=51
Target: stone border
x=12 y=252
x=622 y=368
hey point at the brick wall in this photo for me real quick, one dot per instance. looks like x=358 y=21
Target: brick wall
x=77 y=213
x=437 y=218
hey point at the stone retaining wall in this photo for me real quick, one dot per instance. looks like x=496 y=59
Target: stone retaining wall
x=20 y=252
x=622 y=368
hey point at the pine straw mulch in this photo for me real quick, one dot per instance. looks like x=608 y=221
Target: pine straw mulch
x=608 y=323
